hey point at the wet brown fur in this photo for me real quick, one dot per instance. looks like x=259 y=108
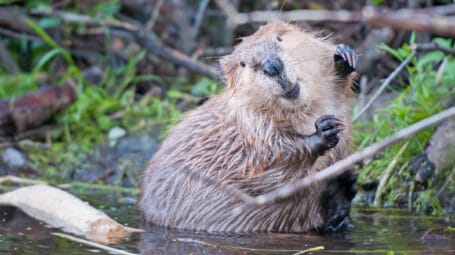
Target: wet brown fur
x=252 y=139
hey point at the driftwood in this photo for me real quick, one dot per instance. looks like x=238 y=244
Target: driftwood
x=426 y=19
x=62 y=210
x=31 y=110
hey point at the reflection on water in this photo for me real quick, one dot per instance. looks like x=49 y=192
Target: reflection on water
x=375 y=232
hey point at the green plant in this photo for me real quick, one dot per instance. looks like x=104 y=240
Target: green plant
x=421 y=98
x=113 y=102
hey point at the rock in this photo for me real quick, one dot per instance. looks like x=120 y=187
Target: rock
x=121 y=164
x=438 y=154
x=115 y=134
x=16 y=163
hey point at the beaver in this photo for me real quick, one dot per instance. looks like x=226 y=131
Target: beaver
x=283 y=115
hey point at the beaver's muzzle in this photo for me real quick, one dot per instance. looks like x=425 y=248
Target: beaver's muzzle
x=273 y=66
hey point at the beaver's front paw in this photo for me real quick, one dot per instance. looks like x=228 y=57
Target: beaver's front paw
x=326 y=135
x=327 y=128
x=345 y=60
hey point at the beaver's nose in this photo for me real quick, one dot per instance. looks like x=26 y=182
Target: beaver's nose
x=273 y=66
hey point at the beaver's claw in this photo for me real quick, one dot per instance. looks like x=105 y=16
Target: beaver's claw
x=326 y=135
x=345 y=59
x=327 y=128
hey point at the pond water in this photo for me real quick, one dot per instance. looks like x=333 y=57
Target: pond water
x=374 y=232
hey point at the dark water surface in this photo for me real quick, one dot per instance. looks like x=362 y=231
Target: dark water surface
x=375 y=232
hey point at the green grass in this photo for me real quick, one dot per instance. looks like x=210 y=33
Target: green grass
x=421 y=98
x=99 y=107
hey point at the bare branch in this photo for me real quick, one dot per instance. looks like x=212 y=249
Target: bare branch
x=24 y=143
x=432 y=46
x=229 y=10
x=149 y=41
x=198 y=19
x=341 y=166
x=12 y=19
x=425 y=19
x=18 y=35
x=415 y=47
x=156 y=11
x=385 y=84
x=82 y=19
x=7 y=61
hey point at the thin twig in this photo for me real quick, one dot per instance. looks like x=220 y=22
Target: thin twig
x=25 y=143
x=448 y=180
x=384 y=85
x=19 y=35
x=154 y=17
x=93 y=244
x=309 y=250
x=19 y=180
x=198 y=19
x=247 y=249
x=440 y=71
x=7 y=61
x=151 y=43
x=387 y=173
x=228 y=9
x=82 y=19
x=344 y=164
x=431 y=47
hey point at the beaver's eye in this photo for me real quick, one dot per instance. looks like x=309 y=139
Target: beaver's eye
x=279 y=38
x=242 y=64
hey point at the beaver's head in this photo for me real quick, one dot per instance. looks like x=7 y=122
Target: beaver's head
x=281 y=64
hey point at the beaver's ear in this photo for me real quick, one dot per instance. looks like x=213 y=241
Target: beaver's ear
x=229 y=67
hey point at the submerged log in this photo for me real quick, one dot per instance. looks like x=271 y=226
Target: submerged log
x=31 y=110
